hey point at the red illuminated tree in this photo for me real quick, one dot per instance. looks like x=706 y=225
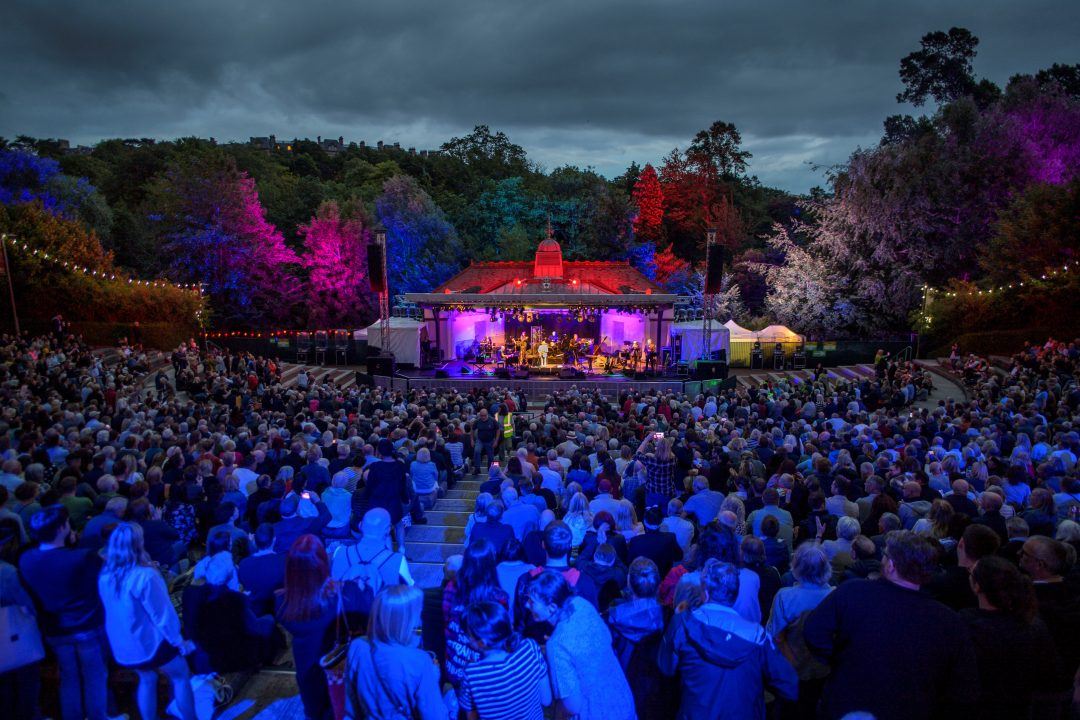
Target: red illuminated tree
x=649 y=200
x=669 y=265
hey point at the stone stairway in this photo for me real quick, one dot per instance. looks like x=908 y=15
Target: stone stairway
x=427 y=546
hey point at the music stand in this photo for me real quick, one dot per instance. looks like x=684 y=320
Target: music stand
x=322 y=343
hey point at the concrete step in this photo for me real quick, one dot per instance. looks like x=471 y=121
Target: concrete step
x=455 y=505
x=427 y=574
x=456 y=494
x=436 y=534
x=473 y=485
x=447 y=517
x=420 y=552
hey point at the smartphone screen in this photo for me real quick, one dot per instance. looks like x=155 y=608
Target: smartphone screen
x=495 y=463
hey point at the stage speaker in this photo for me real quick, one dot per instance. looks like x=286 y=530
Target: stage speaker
x=441 y=374
x=503 y=373
x=520 y=373
x=364 y=380
x=376 y=267
x=714 y=271
x=710 y=370
x=568 y=373
x=381 y=365
x=720 y=355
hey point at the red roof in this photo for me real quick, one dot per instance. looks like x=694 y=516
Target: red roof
x=549 y=273
x=590 y=277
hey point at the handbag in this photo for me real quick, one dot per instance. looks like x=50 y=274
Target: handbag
x=333 y=662
x=20 y=639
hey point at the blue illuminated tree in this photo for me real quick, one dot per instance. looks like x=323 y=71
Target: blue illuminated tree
x=423 y=249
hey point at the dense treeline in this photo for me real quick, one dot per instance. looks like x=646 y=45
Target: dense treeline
x=980 y=192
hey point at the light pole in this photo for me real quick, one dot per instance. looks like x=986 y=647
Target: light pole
x=707 y=298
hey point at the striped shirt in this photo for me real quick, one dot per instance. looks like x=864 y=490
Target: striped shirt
x=506 y=689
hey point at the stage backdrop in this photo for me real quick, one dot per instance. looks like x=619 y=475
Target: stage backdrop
x=403 y=340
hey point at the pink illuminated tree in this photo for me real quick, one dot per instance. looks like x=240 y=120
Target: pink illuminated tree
x=338 y=294
x=214 y=231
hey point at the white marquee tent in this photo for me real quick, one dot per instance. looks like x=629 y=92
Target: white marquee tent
x=403 y=340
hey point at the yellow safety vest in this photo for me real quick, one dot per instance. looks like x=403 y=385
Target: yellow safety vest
x=508 y=425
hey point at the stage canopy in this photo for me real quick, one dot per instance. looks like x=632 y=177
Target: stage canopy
x=693 y=339
x=403 y=340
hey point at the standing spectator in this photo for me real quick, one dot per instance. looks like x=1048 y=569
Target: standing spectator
x=721 y=543
x=790 y=607
x=771 y=508
x=585 y=675
x=660 y=547
x=1046 y=561
x=931 y=663
x=387 y=675
x=20 y=686
x=141 y=623
x=307 y=611
x=660 y=466
x=485 y=438
x=752 y=554
x=724 y=661
x=476 y=581
x=637 y=625
x=509 y=679
x=1015 y=654
x=262 y=573
x=385 y=486
x=64 y=585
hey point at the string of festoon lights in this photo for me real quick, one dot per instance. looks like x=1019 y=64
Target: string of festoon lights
x=1047 y=276
x=19 y=244
x=269 y=334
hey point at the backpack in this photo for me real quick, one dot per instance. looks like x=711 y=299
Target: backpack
x=791 y=643
x=363 y=579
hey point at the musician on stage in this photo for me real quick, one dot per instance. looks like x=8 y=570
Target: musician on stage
x=542 y=350
x=635 y=354
x=523 y=345
x=425 y=346
x=650 y=355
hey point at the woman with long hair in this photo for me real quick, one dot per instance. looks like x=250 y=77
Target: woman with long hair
x=585 y=674
x=307 y=609
x=141 y=623
x=1013 y=649
x=578 y=517
x=388 y=676
x=476 y=581
x=625 y=523
x=510 y=678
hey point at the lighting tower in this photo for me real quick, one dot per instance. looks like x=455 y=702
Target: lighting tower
x=707 y=298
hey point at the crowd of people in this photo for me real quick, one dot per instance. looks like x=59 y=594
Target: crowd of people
x=810 y=548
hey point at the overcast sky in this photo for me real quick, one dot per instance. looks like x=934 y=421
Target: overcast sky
x=594 y=83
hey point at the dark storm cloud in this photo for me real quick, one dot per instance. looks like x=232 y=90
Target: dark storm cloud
x=589 y=82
